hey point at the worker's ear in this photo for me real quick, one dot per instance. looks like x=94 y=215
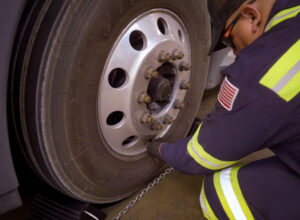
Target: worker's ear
x=252 y=14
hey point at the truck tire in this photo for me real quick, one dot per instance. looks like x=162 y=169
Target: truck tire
x=94 y=81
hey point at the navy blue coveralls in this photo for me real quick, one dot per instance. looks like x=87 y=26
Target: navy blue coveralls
x=258 y=107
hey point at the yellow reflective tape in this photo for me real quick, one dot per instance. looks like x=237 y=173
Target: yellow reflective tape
x=196 y=157
x=281 y=68
x=198 y=153
x=286 y=11
x=237 y=190
x=291 y=89
x=211 y=215
x=219 y=190
x=282 y=16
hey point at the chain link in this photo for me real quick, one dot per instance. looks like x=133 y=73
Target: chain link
x=143 y=193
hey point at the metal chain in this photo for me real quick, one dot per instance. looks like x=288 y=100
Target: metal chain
x=143 y=193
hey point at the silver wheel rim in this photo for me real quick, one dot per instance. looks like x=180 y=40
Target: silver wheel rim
x=155 y=41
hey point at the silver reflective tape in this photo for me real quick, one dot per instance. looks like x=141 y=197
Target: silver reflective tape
x=202 y=203
x=280 y=17
x=230 y=195
x=287 y=78
x=201 y=158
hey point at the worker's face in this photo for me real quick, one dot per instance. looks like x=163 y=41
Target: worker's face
x=246 y=29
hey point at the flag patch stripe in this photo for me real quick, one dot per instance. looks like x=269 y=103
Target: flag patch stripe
x=227 y=94
x=229 y=88
x=225 y=102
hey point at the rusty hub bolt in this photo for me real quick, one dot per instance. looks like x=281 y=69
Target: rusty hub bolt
x=175 y=55
x=154 y=74
x=151 y=73
x=185 y=85
x=144 y=98
x=178 y=104
x=180 y=55
x=184 y=66
x=167 y=120
x=146 y=118
x=164 y=56
x=155 y=125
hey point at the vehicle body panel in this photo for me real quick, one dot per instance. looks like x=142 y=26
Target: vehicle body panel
x=10 y=13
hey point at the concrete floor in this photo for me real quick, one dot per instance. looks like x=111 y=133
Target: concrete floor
x=175 y=197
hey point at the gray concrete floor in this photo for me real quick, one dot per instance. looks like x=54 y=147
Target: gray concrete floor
x=176 y=197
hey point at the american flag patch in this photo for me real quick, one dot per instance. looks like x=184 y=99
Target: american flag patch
x=227 y=94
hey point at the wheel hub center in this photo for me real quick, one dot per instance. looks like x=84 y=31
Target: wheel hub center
x=160 y=89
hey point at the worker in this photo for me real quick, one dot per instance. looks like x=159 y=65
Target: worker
x=258 y=107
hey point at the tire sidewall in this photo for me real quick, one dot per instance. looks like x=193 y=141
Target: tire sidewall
x=70 y=95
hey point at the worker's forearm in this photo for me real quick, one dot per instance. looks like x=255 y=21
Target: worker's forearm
x=177 y=156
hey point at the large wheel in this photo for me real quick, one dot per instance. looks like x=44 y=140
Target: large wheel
x=94 y=81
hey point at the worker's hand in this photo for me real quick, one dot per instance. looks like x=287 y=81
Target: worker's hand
x=153 y=149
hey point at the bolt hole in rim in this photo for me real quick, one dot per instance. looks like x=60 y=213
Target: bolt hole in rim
x=138 y=49
x=117 y=78
x=180 y=35
x=115 y=118
x=129 y=141
x=138 y=40
x=162 y=26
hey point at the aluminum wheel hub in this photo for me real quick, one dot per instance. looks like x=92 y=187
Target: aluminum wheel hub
x=154 y=46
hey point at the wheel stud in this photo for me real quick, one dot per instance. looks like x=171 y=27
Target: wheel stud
x=144 y=98
x=163 y=56
x=168 y=120
x=146 y=118
x=184 y=66
x=154 y=74
x=175 y=55
x=180 y=55
x=155 y=125
x=178 y=104
x=185 y=85
x=151 y=73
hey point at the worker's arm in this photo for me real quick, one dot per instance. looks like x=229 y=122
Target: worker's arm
x=256 y=121
x=177 y=155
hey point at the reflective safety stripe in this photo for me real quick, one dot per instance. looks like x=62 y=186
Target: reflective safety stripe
x=206 y=160
x=203 y=206
x=238 y=192
x=230 y=194
x=220 y=193
x=284 y=76
x=207 y=211
x=282 y=16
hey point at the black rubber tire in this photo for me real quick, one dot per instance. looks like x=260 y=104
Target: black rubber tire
x=62 y=51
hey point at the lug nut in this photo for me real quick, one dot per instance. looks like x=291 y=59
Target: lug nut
x=168 y=120
x=185 y=85
x=146 y=118
x=155 y=125
x=163 y=56
x=175 y=55
x=151 y=73
x=184 y=66
x=178 y=104
x=154 y=74
x=180 y=55
x=144 y=98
